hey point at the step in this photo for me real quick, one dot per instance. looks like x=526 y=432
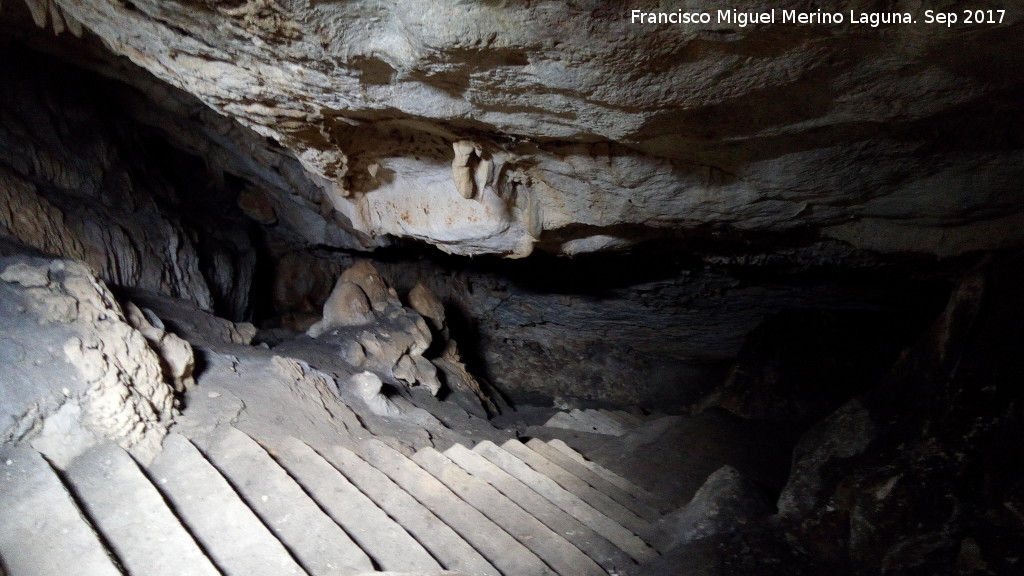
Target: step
x=625 y=418
x=589 y=421
x=442 y=542
x=598 y=500
x=570 y=503
x=319 y=545
x=133 y=516
x=387 y=543
x=44 y=533
x=601 y=420
x=630 y=501
x=612 y=477
x=606 y=554
x=233 y=537
x=553 y=549
x=500 y=549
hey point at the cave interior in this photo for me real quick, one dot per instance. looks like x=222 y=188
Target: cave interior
x=507 y=288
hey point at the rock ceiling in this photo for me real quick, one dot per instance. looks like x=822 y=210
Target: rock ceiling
x=501 y=127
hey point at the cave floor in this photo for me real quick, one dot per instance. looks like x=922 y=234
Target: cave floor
x=271 y=469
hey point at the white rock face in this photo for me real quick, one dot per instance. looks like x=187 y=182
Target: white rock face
x=484 y=127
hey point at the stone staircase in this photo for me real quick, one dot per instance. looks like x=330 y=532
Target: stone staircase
x=232 y=505
x=596 y=421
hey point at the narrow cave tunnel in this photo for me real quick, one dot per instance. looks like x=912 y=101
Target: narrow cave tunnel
x=339 y=288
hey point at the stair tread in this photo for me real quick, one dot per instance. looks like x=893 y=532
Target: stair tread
x=320 y=545
x=625 y=418
x=232 y=535
x=587 y=421
x=601 y=420
x=567 y=501
x=557 y=552
x=44 y=533
x=500 y=549
x=132 y=515
x=442 y=542
x=639 y=492
x=584 y=491
x=390 y=546
x=630 y=501
x=606 y=554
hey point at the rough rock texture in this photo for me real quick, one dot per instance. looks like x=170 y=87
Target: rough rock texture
x=916 y=475
x=77 y=371
x=176 y=357
x=706 y=181
x=657 y=330
x=492 y=127
x=800 y=365
x=726 y=501
x=81 y=180
x=394 y=338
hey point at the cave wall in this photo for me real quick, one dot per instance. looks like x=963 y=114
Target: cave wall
x=661 y=328
x=718 y=234
x=217 y=208
x=81 y=180
x=656 y=327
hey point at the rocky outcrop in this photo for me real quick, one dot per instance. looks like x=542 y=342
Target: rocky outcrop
x=800 y=365
x=365 y=317
x=725 y=502
x=495 y=128
x=78 y=371
x=912 y=476
x=176 y=356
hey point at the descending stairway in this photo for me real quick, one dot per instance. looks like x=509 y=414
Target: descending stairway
x=227 y=504
x=608 y=422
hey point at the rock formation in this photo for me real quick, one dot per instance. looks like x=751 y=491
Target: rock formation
x=495 y=128
x=364 y=316
x=789 y=254
x=82 y=372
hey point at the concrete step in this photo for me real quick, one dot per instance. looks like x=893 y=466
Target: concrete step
x=133 y=516
x=442 y=542
x=642 y=494
x=606 y=554
x=598 y=482
x=625 y=418
x=234 y=538
x=557 y=552
x=601 y=420
x=587 y=421
x=387 y=543
x=570 y=503
x=500 y=549
x=584 y=491
x=43 y=532
x=319 y=545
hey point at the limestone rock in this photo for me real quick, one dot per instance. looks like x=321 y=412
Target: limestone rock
x=176 y=356
x=725 y=502
x=363 y=274
x=368 y=386
x=902 y=476
x=116 y=388
x=346 y=306
x=180 y=319
x=72 y=186
x=372 y=330
x=401 y=112
x=426 y=303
